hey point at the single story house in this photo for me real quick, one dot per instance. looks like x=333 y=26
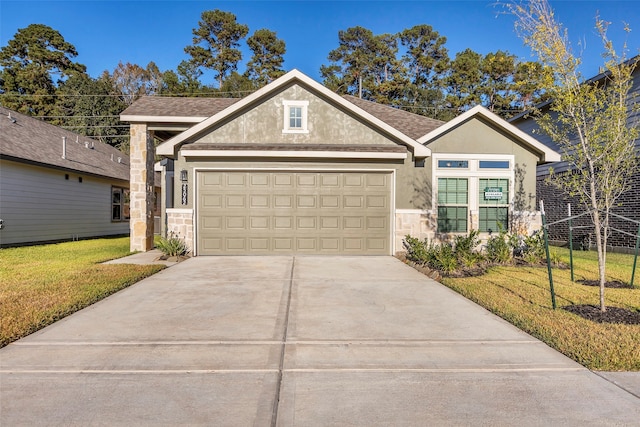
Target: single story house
x=556 y=203
x=295 y=168
x=56 y=185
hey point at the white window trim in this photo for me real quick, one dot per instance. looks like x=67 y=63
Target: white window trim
x=473 y=173
x=287 y=104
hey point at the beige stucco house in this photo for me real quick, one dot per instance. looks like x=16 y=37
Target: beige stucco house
x=296 y=169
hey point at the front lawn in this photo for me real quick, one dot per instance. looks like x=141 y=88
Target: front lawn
x=521 y=296
x=42 y=284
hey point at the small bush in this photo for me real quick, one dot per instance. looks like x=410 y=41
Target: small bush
x=498 y=248
x=172 y=246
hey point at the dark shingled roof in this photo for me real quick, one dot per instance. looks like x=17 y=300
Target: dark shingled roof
x=178 y=107
x=412 y=125
x=33 y=141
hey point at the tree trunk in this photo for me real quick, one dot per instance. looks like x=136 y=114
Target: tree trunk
x=599 y=246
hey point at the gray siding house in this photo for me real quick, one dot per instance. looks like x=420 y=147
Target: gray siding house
x=556 y=203
x=295 y=168
x=56 y=185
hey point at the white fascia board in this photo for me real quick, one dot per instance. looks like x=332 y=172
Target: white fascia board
x=168 y=147
x=160 y=119
x=548 y=155
x=294 y=154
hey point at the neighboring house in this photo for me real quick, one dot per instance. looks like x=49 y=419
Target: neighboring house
x=296 y=169
x=556 y=203
x=56 y=185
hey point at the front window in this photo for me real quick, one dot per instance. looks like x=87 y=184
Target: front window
x=494 y=204
x=453 y=205
x=119 y=204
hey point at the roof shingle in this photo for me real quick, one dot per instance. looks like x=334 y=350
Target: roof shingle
x=167 y=106
x=31 y=140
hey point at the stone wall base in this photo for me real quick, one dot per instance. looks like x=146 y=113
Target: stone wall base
x=180 y=224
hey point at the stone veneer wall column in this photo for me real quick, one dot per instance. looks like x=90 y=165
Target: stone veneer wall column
x=142 y=155
x=180 y=224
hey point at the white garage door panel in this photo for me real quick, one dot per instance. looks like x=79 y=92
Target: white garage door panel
x=293 y=212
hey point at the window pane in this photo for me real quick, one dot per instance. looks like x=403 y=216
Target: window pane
x=116 y=196
x=458 y=164
x=494 y=164
x=452 y=219
x=493 y=191
x=295 y=117
x=493 y=218
x=115 y=213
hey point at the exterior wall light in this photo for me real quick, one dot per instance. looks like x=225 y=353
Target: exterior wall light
x=184 y=175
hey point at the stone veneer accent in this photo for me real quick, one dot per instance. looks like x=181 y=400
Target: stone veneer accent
x=422 y=224
x=415 y=222
x=180 y=223
x=142 y=153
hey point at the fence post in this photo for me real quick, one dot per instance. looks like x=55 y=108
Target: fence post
x=546 y=248
x=570 y=241
x=635 y=258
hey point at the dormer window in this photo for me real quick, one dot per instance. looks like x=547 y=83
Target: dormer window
x=295 y=116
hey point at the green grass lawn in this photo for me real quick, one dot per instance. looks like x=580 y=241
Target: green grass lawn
x=521 y=296
x=42 y=284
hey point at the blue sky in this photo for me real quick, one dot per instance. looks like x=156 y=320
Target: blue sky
x=106 y=32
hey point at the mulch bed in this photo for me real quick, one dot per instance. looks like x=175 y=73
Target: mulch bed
x=612 y=315
x=613 y=284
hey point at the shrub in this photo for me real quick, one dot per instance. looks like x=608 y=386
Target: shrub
x=498 y=248
x=172 y=245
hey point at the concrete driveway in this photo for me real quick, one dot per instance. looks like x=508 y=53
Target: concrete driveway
x=304 y=341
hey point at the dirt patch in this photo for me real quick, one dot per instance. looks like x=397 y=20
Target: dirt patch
x=612 y=315
x=612 y=284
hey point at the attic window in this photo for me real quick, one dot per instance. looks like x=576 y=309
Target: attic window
x=295 y=116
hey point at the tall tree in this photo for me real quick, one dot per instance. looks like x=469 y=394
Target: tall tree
x=426 y=60
x=528 y=84
x=33 y=64
x=183 y=81
x=362 y=63
x=463 y=80
x=496 y=88
x=89 y=107
x=131 y=81
x=266 y=63
x=589 y=120
x=216 y=42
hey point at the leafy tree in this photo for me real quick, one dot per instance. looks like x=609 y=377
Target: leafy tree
x=426 y=60
x=589 y=120
x=496 y=87
x=183 y=81
x=131 y=81
x=463 y=80
x=266 y=63
x=237 y=86
x=216 y=42
x=89 y=107
x=30 y=61
x=528 y=84
x=364 y=64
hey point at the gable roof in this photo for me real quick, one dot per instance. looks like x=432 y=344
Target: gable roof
x=545 y=153
x=169 y=147
x=30 y=140
x=412 y=125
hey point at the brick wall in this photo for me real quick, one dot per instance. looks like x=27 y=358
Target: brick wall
x=555 y=206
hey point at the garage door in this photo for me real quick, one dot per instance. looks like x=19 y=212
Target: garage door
x=283 y=212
